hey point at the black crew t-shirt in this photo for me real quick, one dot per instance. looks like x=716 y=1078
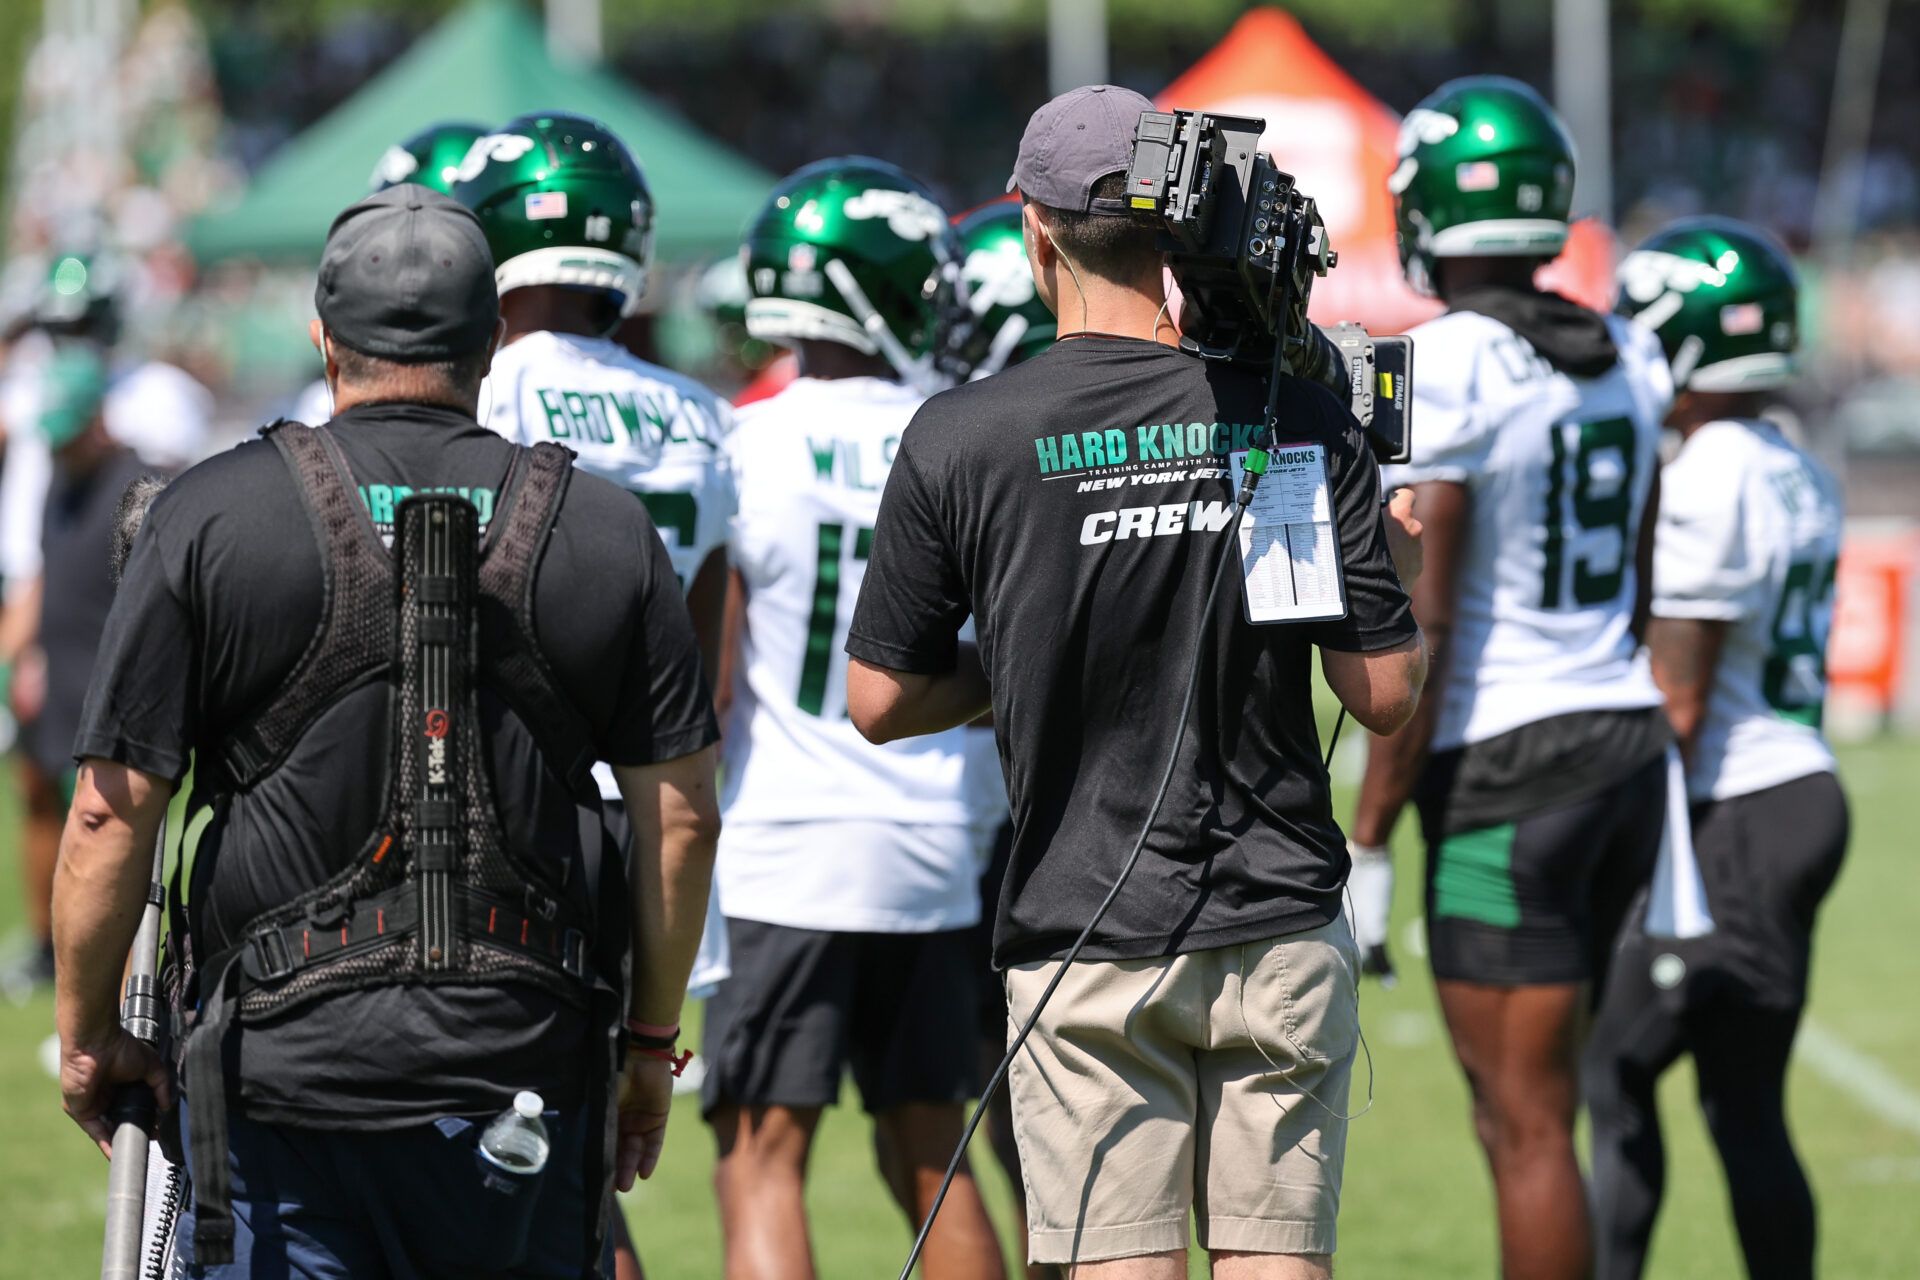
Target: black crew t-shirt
x=222 y=595
x=1076 y=506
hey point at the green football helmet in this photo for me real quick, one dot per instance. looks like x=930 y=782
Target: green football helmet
x=562 y=202
x=1003 y=320
x=1486 y=170
x=430 y=157
x=854 y=251
x=1723 y=298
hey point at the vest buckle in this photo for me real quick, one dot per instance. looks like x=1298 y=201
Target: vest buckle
x=573 y=953
x=272 y=956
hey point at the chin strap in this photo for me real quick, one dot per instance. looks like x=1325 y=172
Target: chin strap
x=916 y=373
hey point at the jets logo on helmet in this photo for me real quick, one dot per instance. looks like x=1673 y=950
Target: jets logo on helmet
x=997 y=276
x=908 y=215
x=503 y=147
x=1723 y=299
x=854 y=251
x=1425 y=126
x=1002 y=320
x=1486 y=169
x=562 y=202
x=432 y=157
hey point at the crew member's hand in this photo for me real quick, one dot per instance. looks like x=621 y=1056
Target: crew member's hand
x=1370 y=899
x=1403 y=537
x=646 y=1096
x=91 y=1074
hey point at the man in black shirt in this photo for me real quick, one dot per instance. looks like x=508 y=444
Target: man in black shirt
x=352 y=1119
x=91 y=470
x=1077 y=507
x=64 y=608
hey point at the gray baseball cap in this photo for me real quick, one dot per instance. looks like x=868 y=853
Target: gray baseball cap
x=407 y=276
x=1074 y=141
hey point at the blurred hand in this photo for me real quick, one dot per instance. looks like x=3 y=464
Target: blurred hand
x=1370 y=900
x=1403 y=537
x=646 y=1096
x=27 y=687
x=90 y=1076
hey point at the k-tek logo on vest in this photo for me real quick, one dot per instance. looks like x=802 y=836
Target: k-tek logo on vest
x=438 y=723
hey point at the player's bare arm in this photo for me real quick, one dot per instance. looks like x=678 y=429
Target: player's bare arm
x=1394 y=760
x=1643 y=563
x=1685 y=653
x=707 y=603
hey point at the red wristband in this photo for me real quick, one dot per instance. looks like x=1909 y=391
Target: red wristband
x=678 y=1061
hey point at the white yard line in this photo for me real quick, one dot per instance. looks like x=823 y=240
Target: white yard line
x=1859 y=1075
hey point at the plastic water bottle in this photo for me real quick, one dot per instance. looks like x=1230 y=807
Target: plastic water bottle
x=516 y=1141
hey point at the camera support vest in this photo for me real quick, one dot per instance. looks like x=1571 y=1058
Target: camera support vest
x=437 y=894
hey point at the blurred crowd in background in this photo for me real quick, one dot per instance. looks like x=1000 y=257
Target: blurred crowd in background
x=1725 y=113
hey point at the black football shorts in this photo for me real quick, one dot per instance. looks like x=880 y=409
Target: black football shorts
x=803 y=1005
x=1540 y=898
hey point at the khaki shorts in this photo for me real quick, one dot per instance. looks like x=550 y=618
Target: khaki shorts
x=1212 y=1083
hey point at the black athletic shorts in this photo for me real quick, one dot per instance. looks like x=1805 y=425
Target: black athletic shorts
x=803 y=1005
x=1768 y=859
x=1538 y=843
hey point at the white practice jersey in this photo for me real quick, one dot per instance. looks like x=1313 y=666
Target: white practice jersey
x=314 y=404
x=656 y=434
x=1749 y=534
x=162 y=413
x=1558 y=469
x=810 y=464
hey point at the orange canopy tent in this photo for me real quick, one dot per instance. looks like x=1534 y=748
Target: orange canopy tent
x=1340 y=143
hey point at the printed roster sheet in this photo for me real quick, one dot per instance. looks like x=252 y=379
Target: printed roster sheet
x=1289 y=548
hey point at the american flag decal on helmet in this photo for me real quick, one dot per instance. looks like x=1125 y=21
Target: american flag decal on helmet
x=546 y=204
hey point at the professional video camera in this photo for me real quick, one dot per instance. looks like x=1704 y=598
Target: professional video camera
x=1245 y=246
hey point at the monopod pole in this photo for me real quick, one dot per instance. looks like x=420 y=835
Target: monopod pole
x=135 y=1109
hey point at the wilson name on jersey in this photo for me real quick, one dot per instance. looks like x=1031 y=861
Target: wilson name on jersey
x=656 y=434
x=810 y=464
x=1558 y=469
x=1749 y=535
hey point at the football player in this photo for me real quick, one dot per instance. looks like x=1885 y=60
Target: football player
x=1536 y=760
x=1744 y=555
x=848 y=872
x=431 y=158
x=569 y=217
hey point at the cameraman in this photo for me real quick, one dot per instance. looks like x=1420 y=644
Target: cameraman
x=1078 y=507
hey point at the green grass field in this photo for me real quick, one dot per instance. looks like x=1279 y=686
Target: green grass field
x=1417 y=1202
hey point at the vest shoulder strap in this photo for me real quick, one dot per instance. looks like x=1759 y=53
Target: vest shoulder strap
x=518 y=671
x=354 y=640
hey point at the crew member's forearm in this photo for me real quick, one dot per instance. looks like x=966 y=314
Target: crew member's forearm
x=671 y=922
x=675 y=835
x=887 y=705
x=1395 y=761
x=99 y=891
